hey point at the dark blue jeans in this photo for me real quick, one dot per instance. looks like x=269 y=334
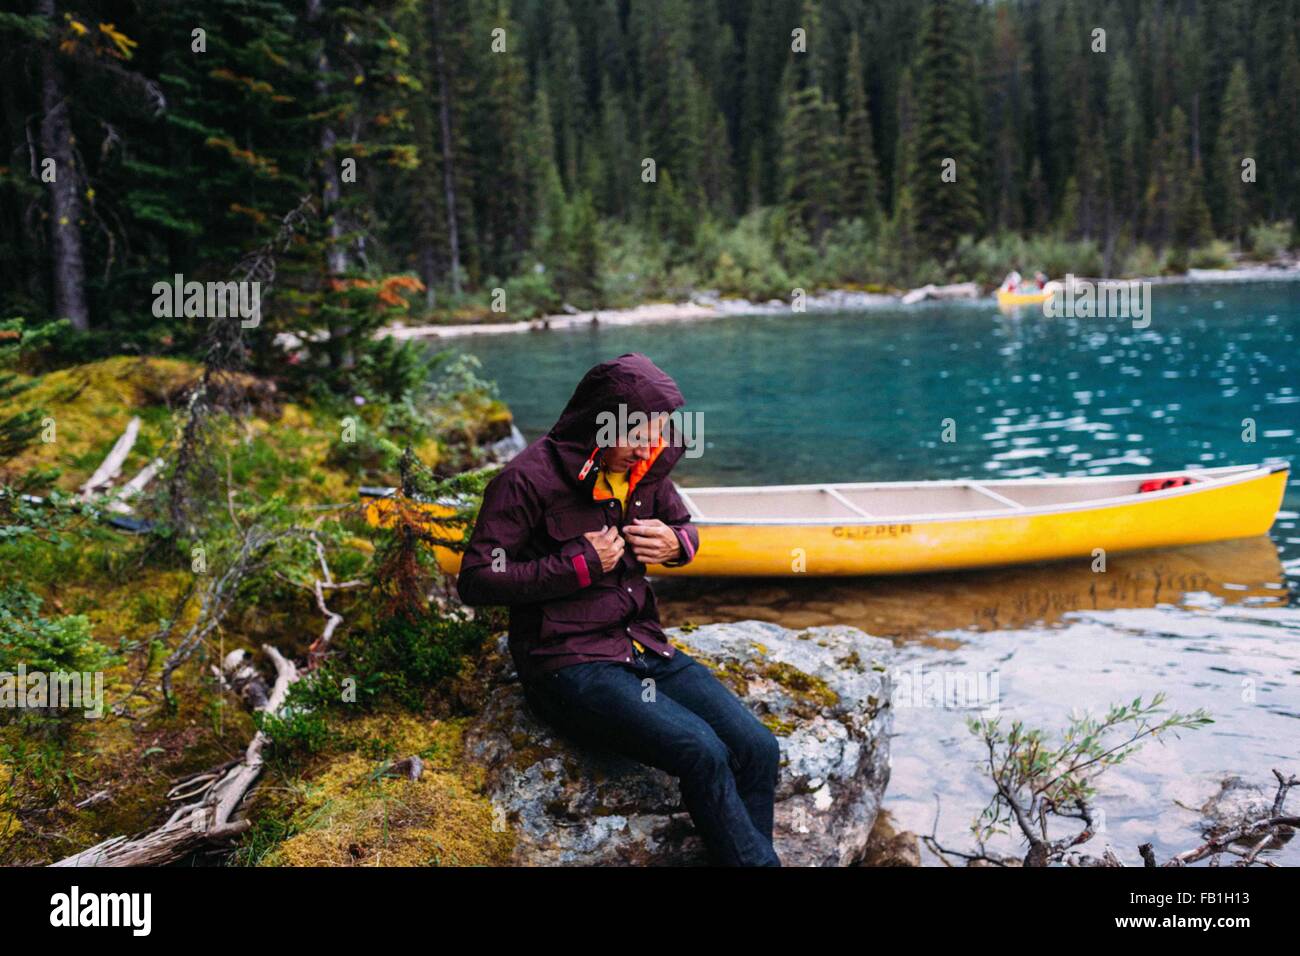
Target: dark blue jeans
x=686 y=723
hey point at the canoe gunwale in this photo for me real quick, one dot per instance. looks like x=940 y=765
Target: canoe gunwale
x=1209 y=479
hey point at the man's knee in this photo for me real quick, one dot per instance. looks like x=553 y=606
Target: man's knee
x=701 y=757
x=765 y=752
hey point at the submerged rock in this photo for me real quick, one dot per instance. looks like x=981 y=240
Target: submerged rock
x=823 y=692
x=1237 y=805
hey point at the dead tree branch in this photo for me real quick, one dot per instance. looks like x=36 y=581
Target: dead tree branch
x=111 y=467
x=212 y=817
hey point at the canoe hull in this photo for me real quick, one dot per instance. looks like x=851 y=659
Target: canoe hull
x=1014 y=299
x=1194 y=515
x=1240 y=510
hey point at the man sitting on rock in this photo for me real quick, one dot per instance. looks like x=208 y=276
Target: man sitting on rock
x=563 y=538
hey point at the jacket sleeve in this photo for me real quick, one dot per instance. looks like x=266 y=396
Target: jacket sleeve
x=672 y=511
x=491 y=571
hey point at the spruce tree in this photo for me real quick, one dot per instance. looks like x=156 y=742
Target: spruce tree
x=946 y=193
x=862 y=174
x=1235 y=144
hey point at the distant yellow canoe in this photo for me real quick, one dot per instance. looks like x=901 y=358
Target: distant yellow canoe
x=912 y=527
x=1013 y=299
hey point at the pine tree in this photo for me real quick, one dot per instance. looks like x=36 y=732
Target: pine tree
x=1235 y=144
x=811 y=151
x=1123 y=131
x=1193 y=227
x=550 y=232
x=1286 y=135
x=583 y=273
x=662 y=44
x=945 y=210
x=1159 y=203
x=564 y=87
x=862 y=186
x=497 y=141
x=1006 y=106
x=767 y=49
x=903 y=224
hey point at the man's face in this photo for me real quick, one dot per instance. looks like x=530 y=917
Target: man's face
x=638 y=445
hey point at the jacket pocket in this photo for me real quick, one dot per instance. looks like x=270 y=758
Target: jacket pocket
x=587 y=613
x=569 y=523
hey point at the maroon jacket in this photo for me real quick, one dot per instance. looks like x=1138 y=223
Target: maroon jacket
x=528 y=549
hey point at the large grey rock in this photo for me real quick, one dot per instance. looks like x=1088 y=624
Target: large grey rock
x=824 y=693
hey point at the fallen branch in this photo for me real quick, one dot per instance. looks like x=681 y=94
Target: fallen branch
x=1272 y=830
x=210 y=818
x=238 y=674
x=135 y=486
x=111 y=467
x=320 y=647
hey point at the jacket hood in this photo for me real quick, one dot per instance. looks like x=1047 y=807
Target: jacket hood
x=631 y=381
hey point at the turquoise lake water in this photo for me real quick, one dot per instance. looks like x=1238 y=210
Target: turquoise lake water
x=864 y=397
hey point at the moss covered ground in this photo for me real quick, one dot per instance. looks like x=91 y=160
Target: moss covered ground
x=67 y=784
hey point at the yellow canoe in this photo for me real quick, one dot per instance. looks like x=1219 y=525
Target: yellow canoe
x=912 y=527
x=1013 y=299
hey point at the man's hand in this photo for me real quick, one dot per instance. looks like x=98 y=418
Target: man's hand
x=653 y=542
x=608 y=544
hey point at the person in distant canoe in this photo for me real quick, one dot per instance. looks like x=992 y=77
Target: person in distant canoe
x=1012 y=282
x=563 y=538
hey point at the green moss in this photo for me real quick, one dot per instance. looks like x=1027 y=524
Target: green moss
x=809 y=694
x=804 y=688
x=349 y=814
x=127 y=587
x=850 y=661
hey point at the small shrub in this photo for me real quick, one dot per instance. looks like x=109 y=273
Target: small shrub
x=1215 y=254
x=404 y=657
x=1269 y=240
x=296 y=729
x=46 y=644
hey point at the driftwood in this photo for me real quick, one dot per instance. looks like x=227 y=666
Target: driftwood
x=238 y=673
x=209 y=818
x=111 y=466
x=135 y=486
x=1273 y=829
x=211 y=799
x=961 y=290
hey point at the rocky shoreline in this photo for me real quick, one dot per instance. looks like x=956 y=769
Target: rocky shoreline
x=710 y=305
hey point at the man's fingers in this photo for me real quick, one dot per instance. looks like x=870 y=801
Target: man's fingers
x=642 y=532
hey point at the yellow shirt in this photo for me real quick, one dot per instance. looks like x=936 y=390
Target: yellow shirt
x=616 y=484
